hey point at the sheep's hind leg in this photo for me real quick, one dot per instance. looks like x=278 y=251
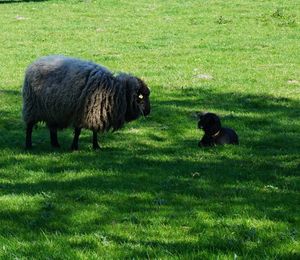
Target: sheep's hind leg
x=53 y=137
x=29 y=128
x=74 y=145
x=95 y=141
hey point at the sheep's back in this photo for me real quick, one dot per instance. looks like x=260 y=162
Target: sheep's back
x=54 y=88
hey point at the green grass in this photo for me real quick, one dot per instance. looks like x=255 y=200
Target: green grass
x=151 y=192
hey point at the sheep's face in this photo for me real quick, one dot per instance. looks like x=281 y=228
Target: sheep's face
x=138 y=102
x=143 y=99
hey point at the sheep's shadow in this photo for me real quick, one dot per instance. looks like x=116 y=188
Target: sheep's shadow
x=259 y=176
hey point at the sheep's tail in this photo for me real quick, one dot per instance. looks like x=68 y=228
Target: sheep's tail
x=28 y=101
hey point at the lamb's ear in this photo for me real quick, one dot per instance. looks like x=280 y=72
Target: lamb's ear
x=216 y=118
x=216 y=121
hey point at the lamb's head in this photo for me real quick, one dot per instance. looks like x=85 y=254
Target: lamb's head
x=137 y=97
x=209 y=122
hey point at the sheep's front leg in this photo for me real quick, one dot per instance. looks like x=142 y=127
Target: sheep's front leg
x=74 y=145
x=95 y=141
x=53 y=137
x=29 y=128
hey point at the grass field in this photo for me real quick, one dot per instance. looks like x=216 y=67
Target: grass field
x=151 y=192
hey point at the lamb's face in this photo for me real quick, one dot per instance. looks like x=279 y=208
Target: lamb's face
x=138 y=102
x=210 y=123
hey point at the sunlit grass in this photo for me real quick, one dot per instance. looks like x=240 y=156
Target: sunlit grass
x=151 y=192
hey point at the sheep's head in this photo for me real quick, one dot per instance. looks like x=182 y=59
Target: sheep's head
x=137 y=97
x=143 y=99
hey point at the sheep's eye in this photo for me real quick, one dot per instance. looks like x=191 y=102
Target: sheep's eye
x=141 y=96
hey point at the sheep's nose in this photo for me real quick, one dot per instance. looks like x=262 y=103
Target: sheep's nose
x=147 y=110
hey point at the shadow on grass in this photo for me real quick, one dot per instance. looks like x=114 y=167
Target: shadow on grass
x=137 y=178
x=193 y=249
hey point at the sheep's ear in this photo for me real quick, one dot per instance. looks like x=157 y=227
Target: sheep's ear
x=143 y=88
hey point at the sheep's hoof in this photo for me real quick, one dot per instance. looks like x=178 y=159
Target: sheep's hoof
x=28 y=147
x=96 y=147
x=74 y=148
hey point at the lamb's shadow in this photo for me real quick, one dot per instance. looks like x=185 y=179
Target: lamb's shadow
x=265 y=116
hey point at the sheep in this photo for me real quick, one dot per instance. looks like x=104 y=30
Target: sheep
x=63 y=91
